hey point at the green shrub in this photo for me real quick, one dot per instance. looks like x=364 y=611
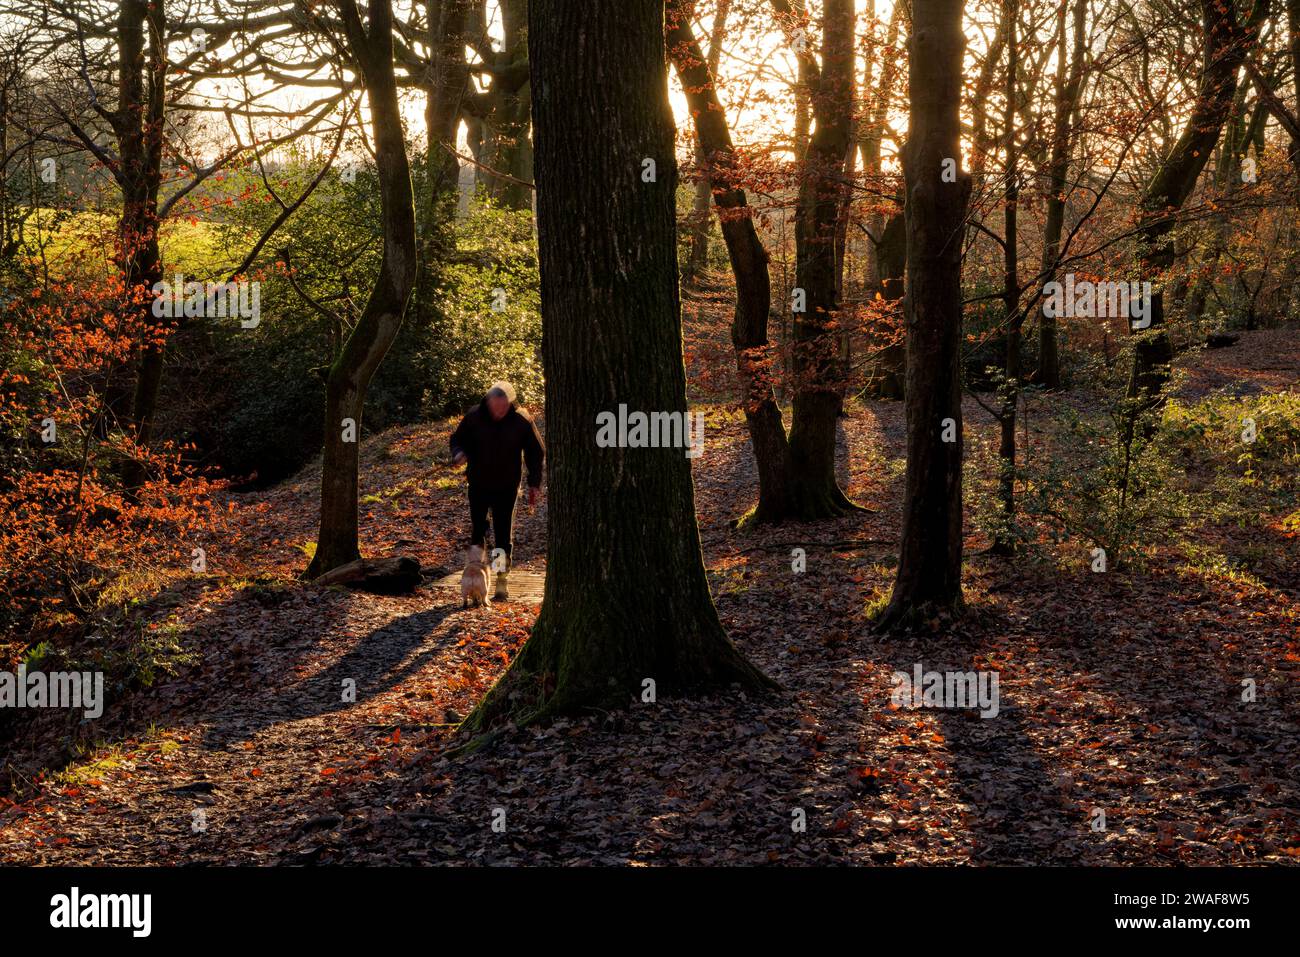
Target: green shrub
x=1239 y=480
x=1107 y=485
x=253 y=399
x=488 y=322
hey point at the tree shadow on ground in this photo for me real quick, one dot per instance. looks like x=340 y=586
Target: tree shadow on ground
x=1015 y=812
x=1137 y=691
x=235 y=684
x=376 y=663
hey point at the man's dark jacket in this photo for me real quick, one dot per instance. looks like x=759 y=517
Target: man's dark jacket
x=493 y=447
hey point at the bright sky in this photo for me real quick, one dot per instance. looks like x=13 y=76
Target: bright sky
x=757 y=67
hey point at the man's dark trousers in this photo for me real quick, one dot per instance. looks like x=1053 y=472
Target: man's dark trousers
x=502 y=504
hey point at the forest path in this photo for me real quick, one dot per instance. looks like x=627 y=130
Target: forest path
x=249 y=771
x=1119 y=693
x=525 y=586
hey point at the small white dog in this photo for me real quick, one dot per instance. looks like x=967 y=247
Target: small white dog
x=474 y=580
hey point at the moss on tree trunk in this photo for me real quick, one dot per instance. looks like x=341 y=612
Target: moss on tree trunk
x=814 y=492
x=366 y=346
x=626 y=596
x=929 y=569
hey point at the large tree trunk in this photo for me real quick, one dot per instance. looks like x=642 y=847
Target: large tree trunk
x=350 y=375
x=626 y=597
x=138 y=126
x=1227 y=43
x=749 y=265
x=813 y=488
x=929 y=569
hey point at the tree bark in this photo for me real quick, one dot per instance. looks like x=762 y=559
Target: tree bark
x=699 y=257
x=749 y=265
x=1004 y=542
x=447 y=86
x=887 y=235
x=929 y=569
x=1293 y=44
x=349 y=376
x=1237 y=137
x=843 y=215
x=887 y=368
x=1292 y=272
x=398 y=575
x=814 y=491
x=1227 y=44
x=138 y=126
x=872 y=133
x=626 y=596
x=506 y=110
x=1068 y=91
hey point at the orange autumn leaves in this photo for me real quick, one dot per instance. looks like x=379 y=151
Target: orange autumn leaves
x=71 y=528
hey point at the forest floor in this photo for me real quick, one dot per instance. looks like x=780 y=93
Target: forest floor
x=1120 y=695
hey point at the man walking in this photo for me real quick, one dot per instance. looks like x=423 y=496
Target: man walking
x=492 y=437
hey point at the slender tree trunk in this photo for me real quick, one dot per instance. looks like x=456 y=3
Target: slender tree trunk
x=844 y=362
x=1237 y=137
x=138 y=125
x=509 y=116
x=929 y=569
x=1290 y=121
x=1227 y=44
x=1293 y=43
x=444 y=98
x=626 y=597
x=1004 y=542
x=365 y=348
x=700 y=205
x=698 y=260
x=815 y=410
x=1067 y=97
x=802 y=117
x=887 y=256
x=982 y=144
x=448 y=85
x=888 y=367
x=749 y=265
x=872 y=133
x=1292 y=271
